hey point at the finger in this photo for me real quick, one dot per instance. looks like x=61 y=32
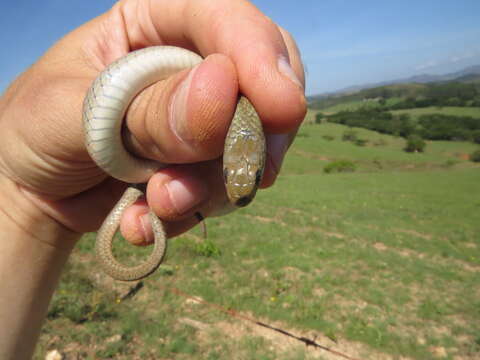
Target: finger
x=176 y=194
x=136 y=227
x=184 y=119
x=234 y=28
x=278 y=144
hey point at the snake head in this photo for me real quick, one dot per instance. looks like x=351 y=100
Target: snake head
x=244 y=155
x=242 y=183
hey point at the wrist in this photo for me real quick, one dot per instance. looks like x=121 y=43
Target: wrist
x=33 y=252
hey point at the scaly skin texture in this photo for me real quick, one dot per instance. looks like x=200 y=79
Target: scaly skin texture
x=244 y=154
x=106 y=233
x=103 y=112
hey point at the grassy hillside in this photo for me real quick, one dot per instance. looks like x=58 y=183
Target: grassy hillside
x=389 y=91
x=380 y=263
x=404 y=96
x=446 y=110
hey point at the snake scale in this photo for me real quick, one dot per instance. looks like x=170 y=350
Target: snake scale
x=104 y=108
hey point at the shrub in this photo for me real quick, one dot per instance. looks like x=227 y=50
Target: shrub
x=360 y=142
x=475 y=156
x=339 y=166
x=319 y=118
x=415 y=144
x=349 y=135
x=207 y=248
x=380 y=142
x=450 y=163
x=476 y=136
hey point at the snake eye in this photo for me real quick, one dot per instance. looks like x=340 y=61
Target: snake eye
x=258 y=177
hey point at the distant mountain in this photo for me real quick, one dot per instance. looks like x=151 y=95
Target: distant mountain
x=469 y=74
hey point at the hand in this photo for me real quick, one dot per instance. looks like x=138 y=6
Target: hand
x=182 y=120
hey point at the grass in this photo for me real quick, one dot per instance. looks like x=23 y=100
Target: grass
x=378 y=263
x=352 y=105
x=445 y=110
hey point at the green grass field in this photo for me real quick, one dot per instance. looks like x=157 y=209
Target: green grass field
x=380 y=263
x=445 y=110
x=353 y=105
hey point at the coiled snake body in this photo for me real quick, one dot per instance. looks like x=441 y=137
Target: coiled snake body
x=103 y=111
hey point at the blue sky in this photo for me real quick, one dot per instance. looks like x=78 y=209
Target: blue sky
x=343 y=42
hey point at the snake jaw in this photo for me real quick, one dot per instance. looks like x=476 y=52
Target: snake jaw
x=243 y=201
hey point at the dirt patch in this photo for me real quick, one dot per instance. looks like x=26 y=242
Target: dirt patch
x=310 y=155
x=418 y=255
x=283 y=345
x=380 y=246
x=414 y=233
x=463 y=156
x=264 y=219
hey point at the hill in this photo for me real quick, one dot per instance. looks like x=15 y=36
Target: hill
x=469 y=74
x=465 y=91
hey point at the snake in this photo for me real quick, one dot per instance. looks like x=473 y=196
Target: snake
x=104 y=108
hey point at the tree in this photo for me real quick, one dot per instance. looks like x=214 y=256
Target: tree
x=415 y=144
x=319 y=118
x=475 y=156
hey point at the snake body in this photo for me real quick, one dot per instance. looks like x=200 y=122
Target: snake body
x=103 y=111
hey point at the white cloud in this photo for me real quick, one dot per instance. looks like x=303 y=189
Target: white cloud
x=428 y=65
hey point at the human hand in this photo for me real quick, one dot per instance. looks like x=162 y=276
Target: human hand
x=182 y=120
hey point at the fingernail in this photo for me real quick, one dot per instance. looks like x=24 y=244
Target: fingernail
x=178 y=107
x=285 y=68
x=181 y=197
x=277 y=145
x=146 y=228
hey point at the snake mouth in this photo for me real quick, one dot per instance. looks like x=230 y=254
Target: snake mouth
x=243 y=201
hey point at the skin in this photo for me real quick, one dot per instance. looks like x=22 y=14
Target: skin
x=50 y=189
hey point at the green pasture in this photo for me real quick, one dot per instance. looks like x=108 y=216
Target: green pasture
x=380 y=263
x=445 y=110
x=353 y=105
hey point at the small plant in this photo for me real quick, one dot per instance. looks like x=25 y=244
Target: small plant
x=349 y=135
x=339 y=166
x=328 y=137
x=475 y=156
x=450 y=163
x=380 y=142
x=207 y=248
x=303 y=134
x=415 y=144
x=360 y=142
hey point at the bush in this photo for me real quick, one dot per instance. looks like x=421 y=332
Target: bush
x=476 y=136
x=319 y=118
x=207 y=248
x=450 y=163
x=475 y=156
x=349 y=135
x=339 y=167
x=360 y=142
x=415 y=144
x=380 y=142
